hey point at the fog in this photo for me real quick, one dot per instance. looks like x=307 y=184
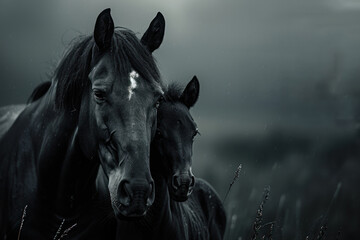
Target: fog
x=279 y=93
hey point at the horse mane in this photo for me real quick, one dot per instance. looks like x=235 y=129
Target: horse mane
x=173 y=93
x=39 y=91
x=71 y=75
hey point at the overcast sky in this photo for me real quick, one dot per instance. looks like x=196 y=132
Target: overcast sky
x=255 y=59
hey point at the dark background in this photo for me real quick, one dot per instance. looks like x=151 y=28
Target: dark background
x=279 y=94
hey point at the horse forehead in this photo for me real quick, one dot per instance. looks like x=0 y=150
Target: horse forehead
x=175 y=111
x=130 y=87
x=176 y=115
x=139 y=89
x=133 y=77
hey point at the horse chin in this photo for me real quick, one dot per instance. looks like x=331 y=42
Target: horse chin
x=130 y=213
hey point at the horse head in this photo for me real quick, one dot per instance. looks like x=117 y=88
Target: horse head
x=117 y=102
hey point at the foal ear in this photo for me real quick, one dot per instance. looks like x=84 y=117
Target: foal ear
x=154 y=35
x=104 y=30
x=191 y=93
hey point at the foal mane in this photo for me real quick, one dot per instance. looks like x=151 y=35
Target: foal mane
x=71 y=75
x=173 y=93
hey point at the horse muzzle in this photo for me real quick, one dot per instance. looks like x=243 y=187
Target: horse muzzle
x=134 y=198
x=182 y=186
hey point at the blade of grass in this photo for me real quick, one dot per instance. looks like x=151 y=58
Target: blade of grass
x=22 y=222
x=65 y=233
x=236 y=176
x=258 y=220
x=59 y=229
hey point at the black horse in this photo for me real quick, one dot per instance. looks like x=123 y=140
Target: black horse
x=99 y=110
x=8 y=114
x=180 y=180
x=182 y=209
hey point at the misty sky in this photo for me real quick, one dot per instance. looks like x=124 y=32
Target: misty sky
x=267 y=60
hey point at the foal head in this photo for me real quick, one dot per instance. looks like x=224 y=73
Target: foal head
x=174 y=139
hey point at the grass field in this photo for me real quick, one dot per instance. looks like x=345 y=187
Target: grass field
x=312 y=173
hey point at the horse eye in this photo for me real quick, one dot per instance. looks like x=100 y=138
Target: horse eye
x=158 y=133
x=99 y=95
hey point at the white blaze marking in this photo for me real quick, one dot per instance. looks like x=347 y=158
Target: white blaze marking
x=132 y=76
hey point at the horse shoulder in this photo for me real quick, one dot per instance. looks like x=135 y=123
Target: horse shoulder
x=17 y=163
x=212 y=208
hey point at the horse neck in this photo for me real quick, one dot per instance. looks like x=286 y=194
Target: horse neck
x=76 y=179
x=64 y=171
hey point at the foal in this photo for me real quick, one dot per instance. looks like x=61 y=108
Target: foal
x=182 y=209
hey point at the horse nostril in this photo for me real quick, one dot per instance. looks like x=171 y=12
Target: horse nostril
x=192 y=182
x=176 y=182
x=151 y=197
x=124 y=193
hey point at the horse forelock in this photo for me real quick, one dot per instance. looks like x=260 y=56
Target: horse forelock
x=71 y=75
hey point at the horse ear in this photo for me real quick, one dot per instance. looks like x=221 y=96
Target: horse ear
x=191 y=93
x=154 y=35
x=104 y=30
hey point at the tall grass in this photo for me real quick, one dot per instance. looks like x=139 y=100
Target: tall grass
x=22 y=222
x=57 y=235
x=236 y=176
x=266 y=231
x=259 y=215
